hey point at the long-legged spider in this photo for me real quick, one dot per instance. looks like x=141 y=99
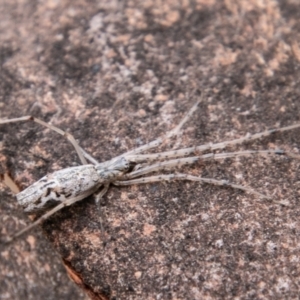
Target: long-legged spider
x=67 y=186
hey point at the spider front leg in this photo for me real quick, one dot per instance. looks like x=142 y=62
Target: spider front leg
x=210 y=147
x=131 y=178
x=146 y=158
x=246 y=138
x=178 y=162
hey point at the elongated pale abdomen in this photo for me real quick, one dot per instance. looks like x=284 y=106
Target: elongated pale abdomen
x=59 y=186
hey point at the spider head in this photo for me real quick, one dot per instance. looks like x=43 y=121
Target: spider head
x=114 y=169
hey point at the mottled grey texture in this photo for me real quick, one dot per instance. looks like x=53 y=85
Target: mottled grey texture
x=120 y=73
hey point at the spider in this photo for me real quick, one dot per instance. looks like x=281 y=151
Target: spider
x=69 y=185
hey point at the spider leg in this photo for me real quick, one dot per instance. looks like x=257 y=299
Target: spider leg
x=170 y=177
x=241 y=140
x=142 y=158
x=80 y=152
x=178 y=162
x=98 y=198
x=173 y=132
x=44 y=217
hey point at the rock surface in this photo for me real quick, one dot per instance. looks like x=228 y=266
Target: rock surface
x=117 y=74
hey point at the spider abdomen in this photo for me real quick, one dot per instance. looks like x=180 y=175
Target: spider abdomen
x=59 y=186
